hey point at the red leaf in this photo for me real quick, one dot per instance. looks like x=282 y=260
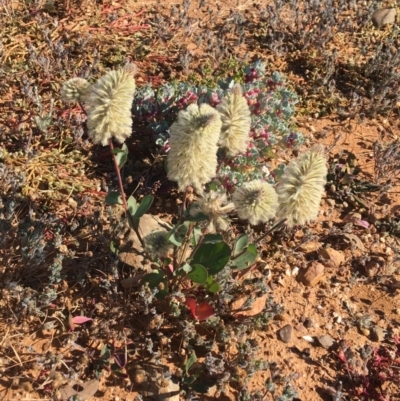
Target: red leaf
x=204 y=311
x=201 y=311
x=191 y=303
x=81 y=319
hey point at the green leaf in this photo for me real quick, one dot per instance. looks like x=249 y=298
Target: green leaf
x=212 y=238
x=213 y=186
x=134 y=223
x=105 y=353
x=241 y=244
x=213 y=257
x=121 y=155
x=196 y=236
x=144 y=206
x=211 y=285
x=190 y=361
x=154 y=280
x=114 y=247
x=198 y=274
x=246 y=259
x=198 y=217
x=113 y=198
x=177 y=234
x=132 y=205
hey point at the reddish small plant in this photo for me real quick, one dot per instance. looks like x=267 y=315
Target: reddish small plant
x=381 y=370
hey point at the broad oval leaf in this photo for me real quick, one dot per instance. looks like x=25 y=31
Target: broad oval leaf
x=144 y=206
x=213 y=257
x=121 y=155
x=113 y=198
x=132 y=205
x=196 y=218
x=177 y=234
x=190 y=361
x=246 y=259
x=241 y=243
x=198 y=274
x=212 y=238
x=211 y=285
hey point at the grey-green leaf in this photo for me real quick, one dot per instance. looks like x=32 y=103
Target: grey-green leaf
x=113 y=198
x=246 y=259
x=241 y=243
x=144 y=206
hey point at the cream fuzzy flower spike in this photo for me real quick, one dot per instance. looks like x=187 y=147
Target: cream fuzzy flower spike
x=301 y=187
x=74 y=90
x=192 y=159
x=255 y=201
x=236 y=122
x=215 y=207
x=108 y=105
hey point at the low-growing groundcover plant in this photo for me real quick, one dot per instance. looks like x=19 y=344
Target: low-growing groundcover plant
x=216 y=149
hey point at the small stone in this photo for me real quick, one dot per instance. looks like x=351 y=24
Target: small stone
x=285 y=333
x=310 y=246
x=377 y=334
x=374 y=265
x=383 y=16
x=308 y=323
x=365 y=331
x=313 y=275
x=326 y=341
x=332 y=257
x=330 y=202
x=329 y=326
x=308 y=339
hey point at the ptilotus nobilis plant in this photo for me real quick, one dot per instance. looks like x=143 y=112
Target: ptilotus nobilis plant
x=301 y=187
x=108 y=103
x=236 y=122
x=192 y=159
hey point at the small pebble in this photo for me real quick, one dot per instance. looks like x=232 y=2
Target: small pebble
x=308 y=338
x=326 y=341
x=285 y=333
x=377 y=334
x=383 y=16
x=365 y=332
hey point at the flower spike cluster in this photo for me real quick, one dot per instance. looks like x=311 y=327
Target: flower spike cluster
x=255 y=201
x=215 y=207
x=236 y=121
x=301 y=187
x=74 y=90
x=109 y=103
x=192 y=159
x=157 y=244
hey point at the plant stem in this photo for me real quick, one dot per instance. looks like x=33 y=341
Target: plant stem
x=276 y=226
x=221 y=163
x=279 y=224
x=121 y=189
